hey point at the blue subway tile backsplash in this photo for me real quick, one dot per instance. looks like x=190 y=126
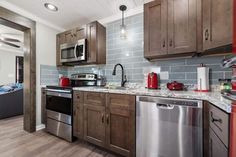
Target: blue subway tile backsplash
x=129 y=52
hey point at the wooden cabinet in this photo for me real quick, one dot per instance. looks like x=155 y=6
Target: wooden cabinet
x=216 y=131
x=182 y=26
x=78 y=112
x=217 y=23
x=216 y=147
x=43 y=105
x=96 y=40
x=170 y=27
x=177 y=28
x=94 y=124
x=95 y=33
x=94 y=118
x=120 y=128
x=107 y=120
x=80 y=33
x=155 y=28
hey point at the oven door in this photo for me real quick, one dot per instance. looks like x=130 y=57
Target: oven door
x=67 y=52
x=60 y=102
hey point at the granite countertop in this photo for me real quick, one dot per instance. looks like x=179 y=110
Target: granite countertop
x=213 y=97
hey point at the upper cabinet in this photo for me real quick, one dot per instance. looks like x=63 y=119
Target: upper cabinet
x=176 y=28
x=217 y=23
x=182 y=26
x=155 y=28
x=169 y=27
x=95 y=35
x=96 y=43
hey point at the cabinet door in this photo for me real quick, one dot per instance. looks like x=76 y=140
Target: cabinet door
x=216 y=147
x=69 y=36
x=217 y=23
x=120 y=124
x=182 y=26
x=60 y=40
x=155 y=28
x=92 y=42
x=94 y=124
x=80 y=33
x=78 y=114
x=43 y=105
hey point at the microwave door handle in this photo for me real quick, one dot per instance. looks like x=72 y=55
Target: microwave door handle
x=75 y=51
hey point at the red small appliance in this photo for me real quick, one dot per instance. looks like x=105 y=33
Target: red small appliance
x=152 y=81
x=64 y=81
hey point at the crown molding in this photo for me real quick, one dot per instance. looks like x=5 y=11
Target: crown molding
x=128 y=13
x=27 y=14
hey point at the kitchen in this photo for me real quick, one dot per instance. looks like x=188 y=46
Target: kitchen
x=172 y=43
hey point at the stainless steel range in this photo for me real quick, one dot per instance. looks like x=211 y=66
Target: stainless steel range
x=59 y=107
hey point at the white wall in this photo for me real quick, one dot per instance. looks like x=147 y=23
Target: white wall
x=7 y=66
x=45 y=54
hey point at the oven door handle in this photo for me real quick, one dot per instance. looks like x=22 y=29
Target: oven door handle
x=58 y=90
x=62 y=95
x=75 y=51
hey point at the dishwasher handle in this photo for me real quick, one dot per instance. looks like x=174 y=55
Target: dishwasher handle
x=165 y=106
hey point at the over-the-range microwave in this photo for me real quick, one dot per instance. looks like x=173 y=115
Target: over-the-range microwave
x=73 y=52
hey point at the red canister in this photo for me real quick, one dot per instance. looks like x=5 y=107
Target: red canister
x=152 y=81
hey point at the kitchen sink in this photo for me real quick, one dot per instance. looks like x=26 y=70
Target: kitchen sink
x=116 y=88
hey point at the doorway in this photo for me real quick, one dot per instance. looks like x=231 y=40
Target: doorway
x=18 y=22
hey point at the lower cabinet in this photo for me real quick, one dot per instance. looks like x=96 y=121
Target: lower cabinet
x=108 y=121
x=94 y=124
x=216 y=147
x=120 y=128
x=43 y=105
x=216 y=131
x=78 y=106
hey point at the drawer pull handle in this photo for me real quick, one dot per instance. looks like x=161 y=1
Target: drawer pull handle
x=214 y=119
x=107 y=119
x=102 y=118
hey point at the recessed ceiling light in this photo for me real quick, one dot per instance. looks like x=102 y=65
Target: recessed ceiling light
x=51 y=7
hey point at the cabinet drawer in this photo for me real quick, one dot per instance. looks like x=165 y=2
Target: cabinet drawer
x=217 y=148
x=219 y=122
x=94 y=98
x=121 y=102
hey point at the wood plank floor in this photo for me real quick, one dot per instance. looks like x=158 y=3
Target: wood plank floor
x=14 y=142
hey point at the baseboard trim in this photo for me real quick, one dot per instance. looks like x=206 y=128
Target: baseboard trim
x=40 y=127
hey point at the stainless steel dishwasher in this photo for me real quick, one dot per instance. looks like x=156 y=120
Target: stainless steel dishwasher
x=168 y=127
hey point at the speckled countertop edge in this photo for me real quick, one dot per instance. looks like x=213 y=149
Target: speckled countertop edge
x=213 y=97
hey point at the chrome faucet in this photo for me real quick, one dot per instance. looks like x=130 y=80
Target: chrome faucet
x=123 y=78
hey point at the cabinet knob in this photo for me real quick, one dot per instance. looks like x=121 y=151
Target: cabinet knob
x=107 y=117
x=102 y=118
x=164 y=44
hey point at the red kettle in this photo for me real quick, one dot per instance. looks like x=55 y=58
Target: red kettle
x=152 y=81
x=64 y=81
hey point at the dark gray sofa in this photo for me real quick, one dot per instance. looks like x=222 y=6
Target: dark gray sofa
x=11 y=104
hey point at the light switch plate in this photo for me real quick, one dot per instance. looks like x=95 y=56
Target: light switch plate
x=164 y=75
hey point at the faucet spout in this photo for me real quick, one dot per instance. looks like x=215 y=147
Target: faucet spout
x=123 y=77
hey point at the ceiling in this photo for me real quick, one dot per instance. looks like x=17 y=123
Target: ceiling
x=75 y=12
x=11 y=33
